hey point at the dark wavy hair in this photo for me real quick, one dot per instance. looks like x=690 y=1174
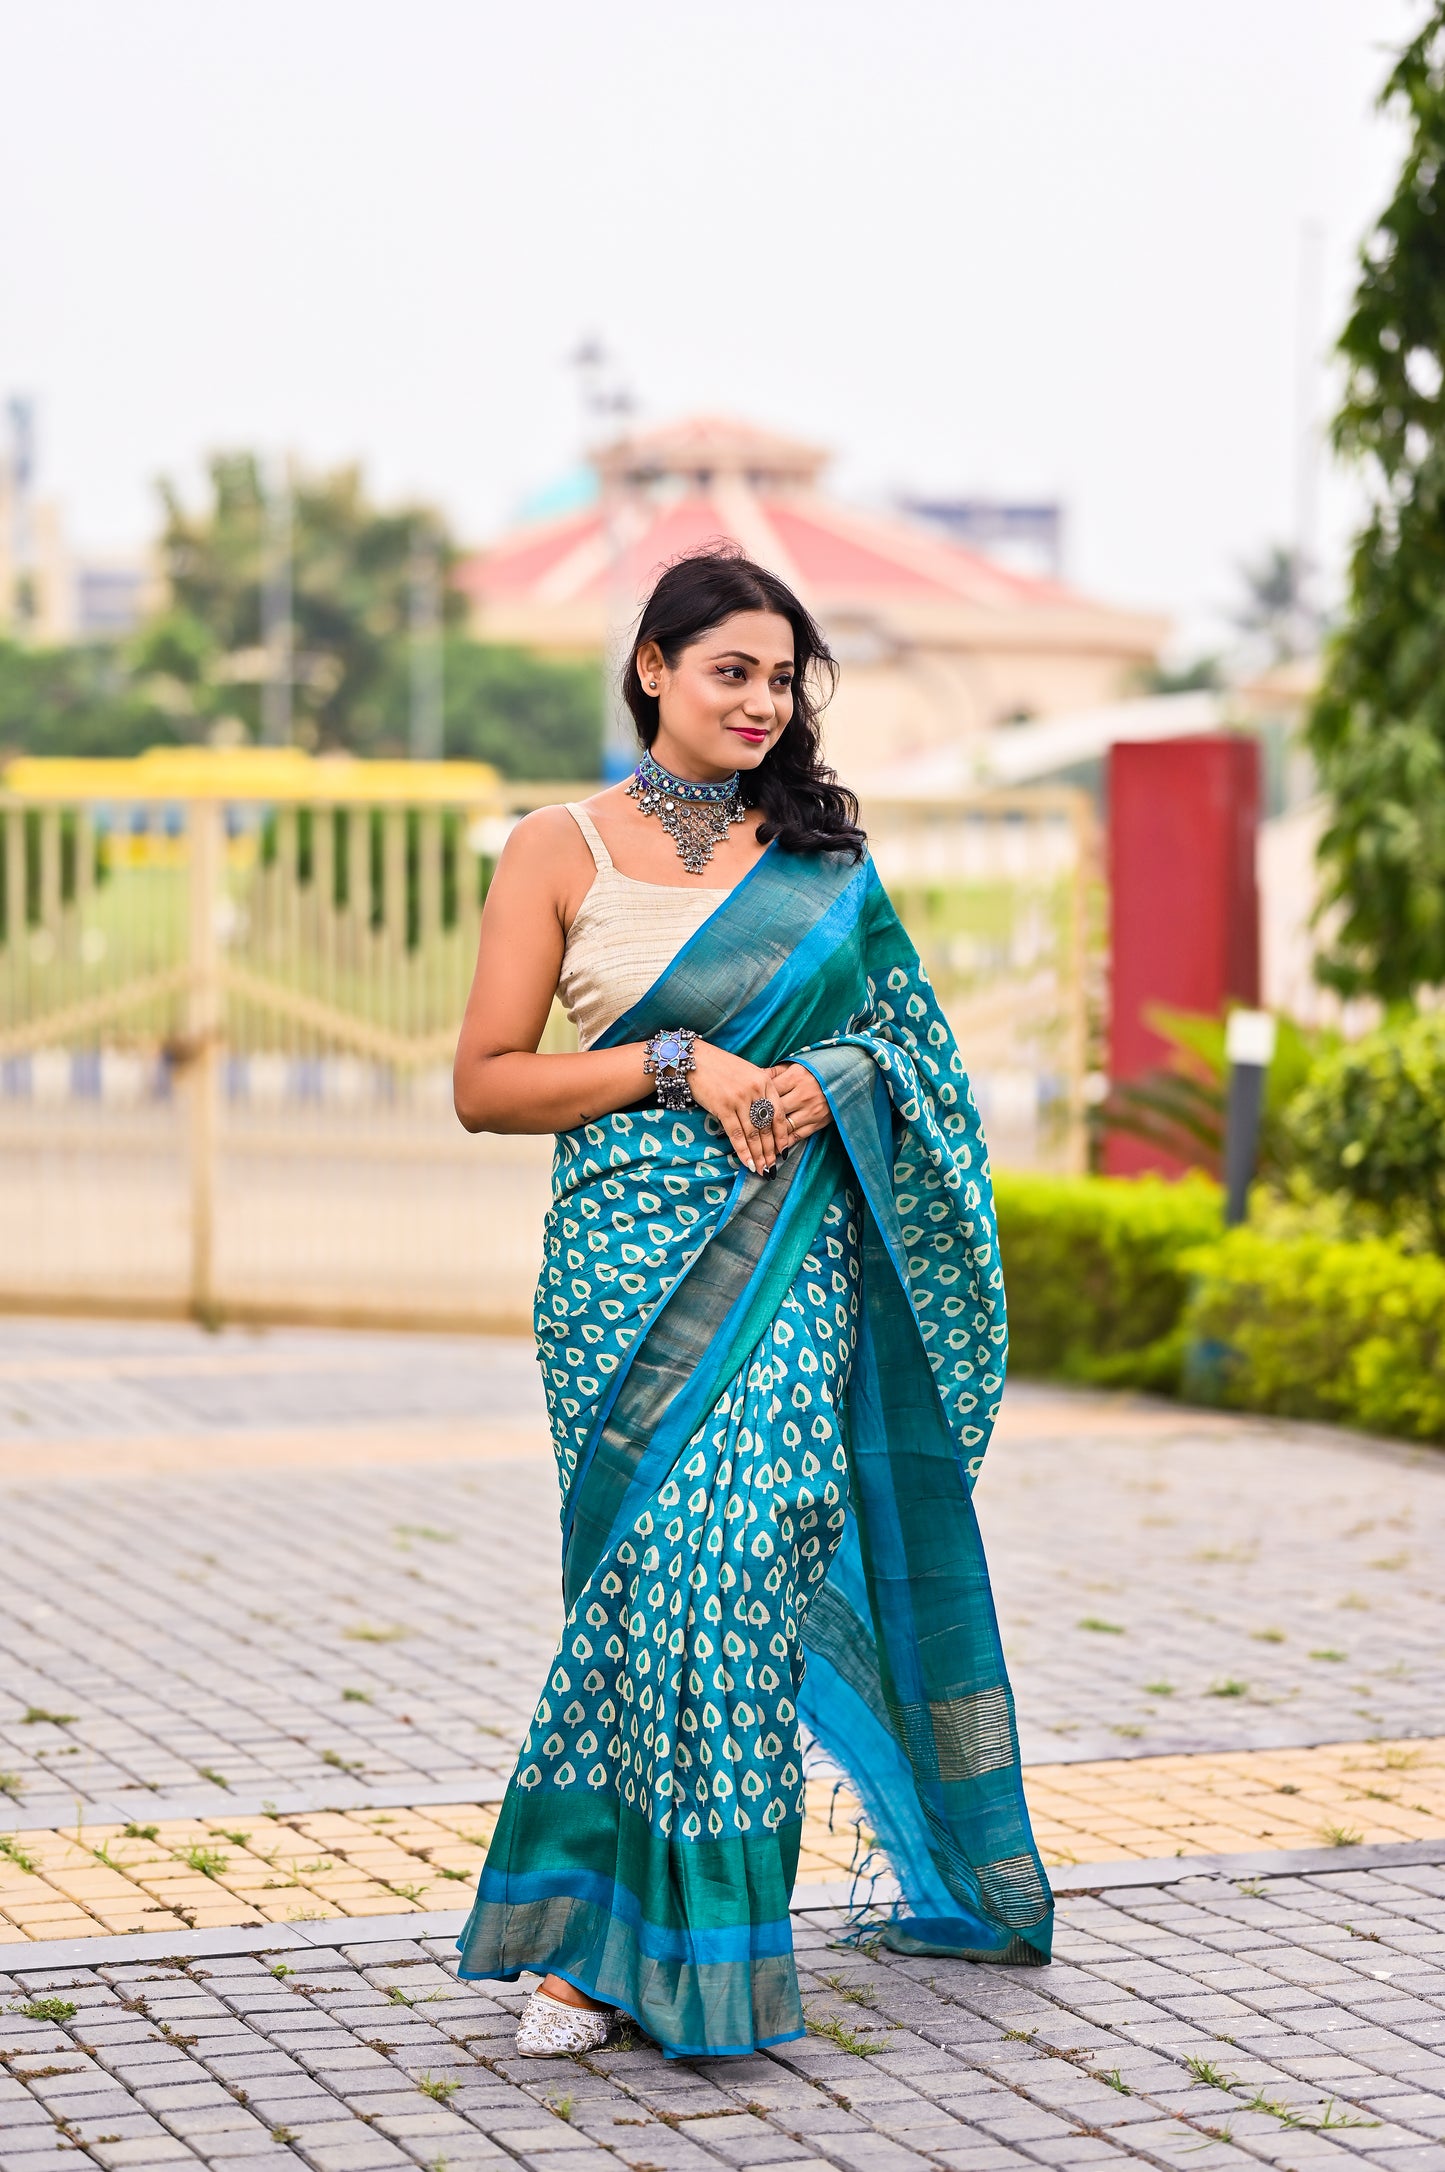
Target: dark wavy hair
x=804 y=807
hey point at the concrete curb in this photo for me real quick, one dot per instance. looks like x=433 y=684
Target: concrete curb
x=1281 y=1863
x=38 y=1956
x=35 y=1956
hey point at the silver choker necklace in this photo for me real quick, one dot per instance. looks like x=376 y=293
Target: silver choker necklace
x=696 y=817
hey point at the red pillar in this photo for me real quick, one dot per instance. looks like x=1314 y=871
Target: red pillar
x=1184 y=909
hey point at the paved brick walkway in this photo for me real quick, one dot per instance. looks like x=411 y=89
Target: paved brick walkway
x=317 y=1570
x=1294 y=2023
x=249 y=1625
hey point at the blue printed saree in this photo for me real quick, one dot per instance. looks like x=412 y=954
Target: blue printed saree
x=769 y=1401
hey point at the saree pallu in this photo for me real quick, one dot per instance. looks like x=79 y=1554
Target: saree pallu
x=769 y=1401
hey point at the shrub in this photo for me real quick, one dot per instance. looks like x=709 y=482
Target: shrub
x=1093 y=1268
x=1131 y=1282
x=1353 y=1333
x=1371 y=1123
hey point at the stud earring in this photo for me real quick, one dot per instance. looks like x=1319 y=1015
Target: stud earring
x=653 y=684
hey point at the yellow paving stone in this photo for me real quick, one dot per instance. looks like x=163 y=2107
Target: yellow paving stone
x=1236 y=1801
x=121 y=1922
x=319 y=1865
x=359 y=1895
x=88 y=1884
x=460 y=1816
x=47 y=1920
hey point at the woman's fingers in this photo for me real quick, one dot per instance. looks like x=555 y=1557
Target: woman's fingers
x=765 y=1149
x=802 y=1106
x=735 y=1125
x=730 y=1089
x=763 y=1095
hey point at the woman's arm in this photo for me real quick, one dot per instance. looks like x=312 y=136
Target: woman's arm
x=499 y=1082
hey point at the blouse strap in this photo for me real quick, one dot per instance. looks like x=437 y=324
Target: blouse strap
x=588 y=828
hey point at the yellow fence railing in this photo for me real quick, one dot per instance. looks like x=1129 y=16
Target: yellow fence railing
x=229 y=992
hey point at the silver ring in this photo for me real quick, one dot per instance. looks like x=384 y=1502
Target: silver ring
x=760 y=1113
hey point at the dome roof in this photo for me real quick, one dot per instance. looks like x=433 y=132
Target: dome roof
x=873 y=579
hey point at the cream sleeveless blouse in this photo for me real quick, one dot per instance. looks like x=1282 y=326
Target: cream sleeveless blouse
x=625 y=932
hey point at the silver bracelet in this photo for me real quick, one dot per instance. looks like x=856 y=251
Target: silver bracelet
x=669 y=1058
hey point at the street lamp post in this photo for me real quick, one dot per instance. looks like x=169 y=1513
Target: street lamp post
x=1249 y=1047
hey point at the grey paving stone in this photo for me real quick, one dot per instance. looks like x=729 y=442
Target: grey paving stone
x=538 y=2136
x=362 y=2152
x=140 y=2149
x=569 y=2161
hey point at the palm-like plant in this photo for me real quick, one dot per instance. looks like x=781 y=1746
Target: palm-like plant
x=1179 y=1107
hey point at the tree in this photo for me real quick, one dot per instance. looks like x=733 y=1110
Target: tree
x=529 y=716
x=1276 y=604
x=81 y=700
x=1377 y=729
x=1203 y=675
x=351 y=574
x=201 y=663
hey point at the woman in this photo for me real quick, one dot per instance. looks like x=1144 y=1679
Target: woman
x=771 y=1326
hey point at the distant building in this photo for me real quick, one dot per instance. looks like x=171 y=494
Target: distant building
x=1025 y=534
x=50 y=593
x=110 y=597
x=938 y=642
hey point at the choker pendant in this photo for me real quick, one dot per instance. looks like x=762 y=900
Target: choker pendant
x=696 y=817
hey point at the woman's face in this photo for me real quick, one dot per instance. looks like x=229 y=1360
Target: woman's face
x=727 y=698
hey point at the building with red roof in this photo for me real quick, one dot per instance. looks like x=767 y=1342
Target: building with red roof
x=938 y=643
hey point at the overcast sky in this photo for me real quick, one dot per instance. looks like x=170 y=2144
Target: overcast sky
x=1014 y=245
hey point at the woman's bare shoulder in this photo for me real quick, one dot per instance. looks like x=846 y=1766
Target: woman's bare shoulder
x=545 y=858
x=546 y=838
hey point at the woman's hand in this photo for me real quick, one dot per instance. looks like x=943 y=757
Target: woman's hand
x=801 y=1105
x=727 y=1086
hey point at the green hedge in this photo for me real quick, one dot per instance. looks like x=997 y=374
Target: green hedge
x=1134 y=1283
x=1094 y=1274
x=1306 y=1328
